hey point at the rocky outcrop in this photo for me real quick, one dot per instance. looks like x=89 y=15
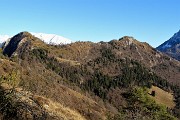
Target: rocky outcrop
x=13 y=44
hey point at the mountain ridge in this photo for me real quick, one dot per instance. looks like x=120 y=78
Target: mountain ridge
x=98 y=80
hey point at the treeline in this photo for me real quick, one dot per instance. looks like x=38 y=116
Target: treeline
x=132 y=74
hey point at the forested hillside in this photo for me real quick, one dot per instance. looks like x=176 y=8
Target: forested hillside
x=85 y=80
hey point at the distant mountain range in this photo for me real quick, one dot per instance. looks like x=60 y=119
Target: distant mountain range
x=47 y=38
x=172 y=46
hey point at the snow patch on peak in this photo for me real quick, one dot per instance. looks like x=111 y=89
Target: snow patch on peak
x=167 y=45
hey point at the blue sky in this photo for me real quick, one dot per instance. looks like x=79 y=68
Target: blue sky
x=152 y=21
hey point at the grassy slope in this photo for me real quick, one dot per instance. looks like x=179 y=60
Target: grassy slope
x=28 y=100
x=163 y=97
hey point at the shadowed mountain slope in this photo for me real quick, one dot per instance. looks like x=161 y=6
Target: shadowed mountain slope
x=172 y=46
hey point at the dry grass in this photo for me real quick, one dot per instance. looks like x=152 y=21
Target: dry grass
x=163 y=97
x=54 y=109
x=71 y=62
x=76 y=101
x=6 y=66
x=57 y=109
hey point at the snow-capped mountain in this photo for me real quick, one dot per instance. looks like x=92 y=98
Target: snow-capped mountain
x=3 y=38
x=47 y=38
x=52 y=38
x=171 y=46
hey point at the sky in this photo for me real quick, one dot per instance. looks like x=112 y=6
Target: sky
x=151 y=21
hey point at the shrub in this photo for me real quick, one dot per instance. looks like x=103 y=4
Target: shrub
x=138 y=99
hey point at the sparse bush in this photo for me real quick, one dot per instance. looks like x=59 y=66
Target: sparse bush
x=7 y=107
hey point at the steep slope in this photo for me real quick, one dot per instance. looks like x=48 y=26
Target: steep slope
x=15 y=42
x=96 y=79
x=172 y=46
